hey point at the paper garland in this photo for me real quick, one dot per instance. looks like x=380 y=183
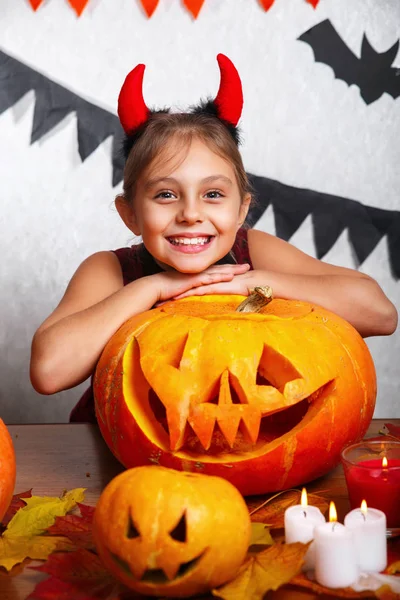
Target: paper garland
x=149 y=6
x=331 y=215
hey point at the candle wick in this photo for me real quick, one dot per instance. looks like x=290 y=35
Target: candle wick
x=364 y=516
x=333 y=526
x=304 y=513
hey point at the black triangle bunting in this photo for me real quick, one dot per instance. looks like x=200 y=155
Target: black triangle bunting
x=53 y=103
x=331 y=215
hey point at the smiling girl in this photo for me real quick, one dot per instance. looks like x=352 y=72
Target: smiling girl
x=187 y=194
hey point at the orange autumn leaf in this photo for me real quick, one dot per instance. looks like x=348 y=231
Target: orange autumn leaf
x=267 y=570
x=272 y=511
x=386 y=593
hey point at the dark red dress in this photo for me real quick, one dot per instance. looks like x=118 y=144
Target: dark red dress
x=135 y=263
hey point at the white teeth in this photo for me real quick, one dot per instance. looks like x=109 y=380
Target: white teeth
x=189 y=241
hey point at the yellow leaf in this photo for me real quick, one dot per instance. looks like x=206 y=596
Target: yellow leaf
x=265 y=571
x=260 y=535
x=15 y=549
x=40 y=513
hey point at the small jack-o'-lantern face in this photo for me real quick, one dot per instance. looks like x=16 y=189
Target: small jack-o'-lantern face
x=164 y=532
x=196 y=386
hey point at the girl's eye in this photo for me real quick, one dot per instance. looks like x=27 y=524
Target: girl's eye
x=165 y=195
x=213 y=194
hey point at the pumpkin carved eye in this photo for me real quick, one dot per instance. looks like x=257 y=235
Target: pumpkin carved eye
x=131 y=532
x=179 y=532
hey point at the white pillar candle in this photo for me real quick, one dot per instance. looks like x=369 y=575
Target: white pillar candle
x=300 y=522
x=335 y=555
x=369 y=529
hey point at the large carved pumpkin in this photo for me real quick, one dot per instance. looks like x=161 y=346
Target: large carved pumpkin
x=165 y=533
x=265 y=400
x=7 y=469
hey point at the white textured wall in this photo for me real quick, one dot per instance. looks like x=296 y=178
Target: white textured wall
x=301 y=126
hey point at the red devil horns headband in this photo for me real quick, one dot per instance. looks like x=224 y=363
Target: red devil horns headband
x=228 y=103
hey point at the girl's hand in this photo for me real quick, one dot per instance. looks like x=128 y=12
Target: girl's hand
x=172 y=284
x=239 y=284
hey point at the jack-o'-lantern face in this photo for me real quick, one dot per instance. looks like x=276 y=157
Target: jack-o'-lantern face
x=196 y=386
x=157 y=528
x=209 y=381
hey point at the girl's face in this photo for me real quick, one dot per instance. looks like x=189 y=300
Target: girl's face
x=187 y=217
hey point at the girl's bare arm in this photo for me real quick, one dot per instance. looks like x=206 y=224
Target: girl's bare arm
x=293 y=274
x=67 y=346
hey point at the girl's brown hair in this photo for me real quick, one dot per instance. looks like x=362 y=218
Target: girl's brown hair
x=182 y=128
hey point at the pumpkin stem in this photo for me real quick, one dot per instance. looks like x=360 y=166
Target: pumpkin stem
x=259 y=297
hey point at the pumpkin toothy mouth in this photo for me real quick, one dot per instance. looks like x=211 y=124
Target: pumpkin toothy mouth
x=226 y=384
x=157 y=576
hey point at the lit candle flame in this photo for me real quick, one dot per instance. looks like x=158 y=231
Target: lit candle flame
x=384 y=462
x=304 y=500
x=364 y=507
x=332 y=512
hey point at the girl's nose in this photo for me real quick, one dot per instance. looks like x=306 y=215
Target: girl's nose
x=190 y=212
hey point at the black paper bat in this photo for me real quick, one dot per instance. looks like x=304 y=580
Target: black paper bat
x=372 y=72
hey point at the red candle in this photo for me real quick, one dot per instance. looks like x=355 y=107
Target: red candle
x=379 y=486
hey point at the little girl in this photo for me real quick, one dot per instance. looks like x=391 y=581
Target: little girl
x=186 y=193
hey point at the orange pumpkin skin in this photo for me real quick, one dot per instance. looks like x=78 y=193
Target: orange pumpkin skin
x=169 y=534
x=7 y=469
x=323 y=373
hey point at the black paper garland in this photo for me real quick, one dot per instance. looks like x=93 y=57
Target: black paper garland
x=331 y=215
x=53 y=103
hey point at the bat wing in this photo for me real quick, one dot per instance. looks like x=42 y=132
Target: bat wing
x=392 y=86
x=331 y=50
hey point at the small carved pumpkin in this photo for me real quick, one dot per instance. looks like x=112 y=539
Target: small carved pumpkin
x=7 y=469
x=266 y=400
x=165 y=533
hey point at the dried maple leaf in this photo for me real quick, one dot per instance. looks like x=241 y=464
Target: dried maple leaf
x=78 y=575
x=267 y=570
x=78 y=529
x=272 y=511
x=22 y=537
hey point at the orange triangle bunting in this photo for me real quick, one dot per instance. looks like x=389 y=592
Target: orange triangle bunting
x=194 y=6
x=149 y=6
x=78 y=6
x=266 y=4
x=35 y=3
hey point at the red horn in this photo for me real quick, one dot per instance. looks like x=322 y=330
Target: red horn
x=229 y=100
x=132 y=110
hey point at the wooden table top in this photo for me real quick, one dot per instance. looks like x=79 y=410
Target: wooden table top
x=52 y=458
